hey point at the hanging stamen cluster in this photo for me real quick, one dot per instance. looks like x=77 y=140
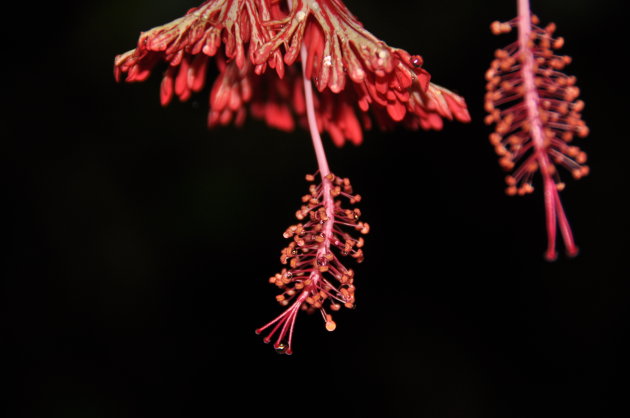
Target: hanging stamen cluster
x=558 y=112
x=315 y=278
x=537 y=115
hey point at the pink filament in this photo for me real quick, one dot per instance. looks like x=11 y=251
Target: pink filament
x=554 y=212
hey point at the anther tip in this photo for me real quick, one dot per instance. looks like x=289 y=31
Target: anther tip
x=573 y=252
x=551 y=255
x=331 y=326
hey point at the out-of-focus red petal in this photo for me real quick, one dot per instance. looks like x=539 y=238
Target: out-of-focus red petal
x=166 y=87
x=396 y=110
x=357 y=76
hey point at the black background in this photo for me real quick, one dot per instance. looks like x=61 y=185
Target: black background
x=140 y=243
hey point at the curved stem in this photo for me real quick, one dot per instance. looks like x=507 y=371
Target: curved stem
x=322 y=162
x=320 y=154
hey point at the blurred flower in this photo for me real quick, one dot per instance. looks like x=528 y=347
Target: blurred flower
x=535 y=108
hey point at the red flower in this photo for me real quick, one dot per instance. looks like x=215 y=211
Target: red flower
x=360 y=80
x=534 y=107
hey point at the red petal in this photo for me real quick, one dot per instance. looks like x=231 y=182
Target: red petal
x=396 y=110
x=279 y=116
x=336 y=135
x=181 y=82
x=197 y=73
x=166 y=87
x=457 y=107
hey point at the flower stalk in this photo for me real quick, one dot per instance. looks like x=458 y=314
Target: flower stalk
x=327 y=215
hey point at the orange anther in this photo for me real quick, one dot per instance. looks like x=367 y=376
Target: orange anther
x=503 y=127
x=506 y=163
x=545 y=43
x=571 y=93
x=501 y=54
x=495 y=139
x=532 y=166
x=581 y=157
x=567 y=136
x=495 y=28
x=500 y=150
x=583 y=131
x=507 y=64
x=578 y=106
x=514 y=139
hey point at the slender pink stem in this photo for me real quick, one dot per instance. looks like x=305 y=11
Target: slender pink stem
x=553 y=206
x=322 y=162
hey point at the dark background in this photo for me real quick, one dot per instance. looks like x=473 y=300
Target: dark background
x=140 y=243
